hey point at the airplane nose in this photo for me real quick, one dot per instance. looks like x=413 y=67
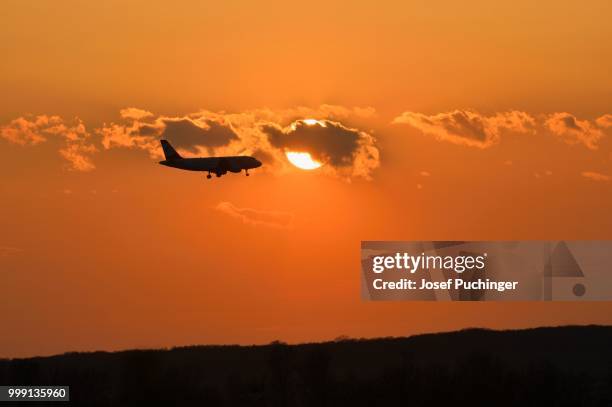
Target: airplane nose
x=257 y=163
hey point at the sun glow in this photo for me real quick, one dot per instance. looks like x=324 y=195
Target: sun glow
x=312 y=122
x=302 y=160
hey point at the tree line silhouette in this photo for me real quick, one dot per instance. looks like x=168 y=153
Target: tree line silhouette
x=565 y=366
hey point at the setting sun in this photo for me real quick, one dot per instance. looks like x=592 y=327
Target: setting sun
x=302 y=160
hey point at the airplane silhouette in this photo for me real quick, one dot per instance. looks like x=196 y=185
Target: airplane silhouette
x=217 y=165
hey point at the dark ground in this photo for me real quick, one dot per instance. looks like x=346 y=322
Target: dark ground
x=565 y=366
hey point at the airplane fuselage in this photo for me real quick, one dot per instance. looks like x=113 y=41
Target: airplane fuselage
x=216 y=165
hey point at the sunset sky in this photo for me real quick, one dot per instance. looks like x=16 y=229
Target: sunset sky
x=435 y=120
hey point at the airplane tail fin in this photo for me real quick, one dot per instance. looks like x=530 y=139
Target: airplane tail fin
x=169 y=151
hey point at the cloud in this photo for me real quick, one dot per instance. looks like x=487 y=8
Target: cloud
x=134 y=113
x=467 y=127
x=254 y=217
x=595 y=176
x=24 y=131
x=79 y=156
x=129 y=136
x=76 y=140
x=473 y=129
x=604 y=121
x=77 y=148
x=6 y=251
x=201 y=133
x=188 y=134
x=332 y=134
x=574 y=131
x=263 y=133
x=328 y=142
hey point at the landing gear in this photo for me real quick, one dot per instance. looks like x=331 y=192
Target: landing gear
x=209 y=176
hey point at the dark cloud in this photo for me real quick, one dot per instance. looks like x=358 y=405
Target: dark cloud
x=187 y=135
x=326 y=141
x=468 y=127
x=574 y=131
x=145 y=130
x=264 y=133
x=477 y=130
x=570 y=122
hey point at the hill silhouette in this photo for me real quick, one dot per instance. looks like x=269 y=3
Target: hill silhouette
x=560 y=366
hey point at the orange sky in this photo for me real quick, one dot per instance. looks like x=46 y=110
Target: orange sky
x=472 y=121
